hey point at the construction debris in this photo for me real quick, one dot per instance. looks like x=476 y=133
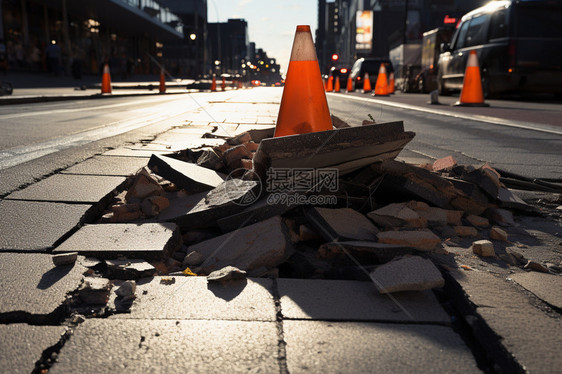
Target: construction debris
x=65 y=258
x=484 y=248
x=412 y=273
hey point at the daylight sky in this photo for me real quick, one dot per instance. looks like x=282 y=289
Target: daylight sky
x=271 y=24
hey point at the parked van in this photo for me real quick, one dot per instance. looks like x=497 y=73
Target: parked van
x=370 y=65
x=519 y=47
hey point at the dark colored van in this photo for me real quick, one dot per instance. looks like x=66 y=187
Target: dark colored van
x=369 y=65
x=519 y=48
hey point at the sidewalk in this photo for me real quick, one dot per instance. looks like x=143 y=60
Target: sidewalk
x=490 y=316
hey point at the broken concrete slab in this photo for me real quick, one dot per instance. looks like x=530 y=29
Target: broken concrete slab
x=108 y=165
x=196 y=298
x=411 y=273
x=465 y=231
x=507 y=199
x=71 y=188
x=484 y=177
x=94 y=291
x=547 y=287
x=477 y=221
x=129 y=269
x=40 y=224
x=424 y=240
x=342 y=224
x=264 y=244
x=143 y=346
x=440 y=216
x=346 y=300
x=366 y=347
x=346 y=149
x=502 y=217
x=227 y=274
x=472 y=200
x=110 y=240
x=376 y=252
x=444 y=164
x=65 y=258
x=498 y=234
x=33 y=289
x=191 y=177
x=22 y=345
x=397 y=215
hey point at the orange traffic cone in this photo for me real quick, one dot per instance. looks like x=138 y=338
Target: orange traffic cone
x=337 y=87
x=471 y=93
x=223 y=84
x=381 y=87
x=106 y=80
x=214 y=84
x=366 y=83
x=349 y=87
x=391 y=83
x=330 y=84
x=304 y=107
x=162 y=88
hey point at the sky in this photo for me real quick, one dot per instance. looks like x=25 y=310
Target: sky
x=271 y=24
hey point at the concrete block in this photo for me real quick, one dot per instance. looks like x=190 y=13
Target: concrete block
x=263 y=244
x=444 y=164
x=477 y=221
x=146 y=240
x=498 y=234
x=407 y=274
x=466 y=231
x=442 y=216
x=191 y=177
x=397 y=214
x=39 y=224
x=484 y=248
x=424 y=240
x=343 y=224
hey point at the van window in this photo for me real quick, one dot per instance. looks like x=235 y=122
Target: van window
x=461 y=35
x=544 y=21
x=498 y=24
x=477 y=29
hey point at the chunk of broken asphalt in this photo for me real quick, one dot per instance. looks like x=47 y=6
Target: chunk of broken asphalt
x=342 y=224
x=424 y=240
x=263 y=244
x=191 y=177
x=95 y=291
x=226 y=274
x=412 y=273
x=397 y=215
x=129 y=269
x=484 y=248
x=65 y=258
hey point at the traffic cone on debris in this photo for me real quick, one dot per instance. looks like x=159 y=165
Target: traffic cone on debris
x=381 y=87
x=391 y=83
x=337 y=87
x=330 y=84
x=366 y=83
x=214 y=84
x=349 y=87
x=304 y=107
x=106 y=80
x=471 y=93
x=162 y=88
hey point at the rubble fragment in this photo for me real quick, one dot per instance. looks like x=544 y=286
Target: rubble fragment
x=532 y=265
x=338 y=123
x=308 y=234
x=210 y=159
x=94 y=291
x=65 y=258
x=440 y=216
x=411 y=273
x=226 y=274
x=484 y=248
x=424 y=240
x=498 y=234
x=193 y=258
x=373 y=252
x=233 y=156
x=127 y=290
x=153 y=205
x=129 y=269
x=466 y=231
x=144 y=185
x=477 y=221
x=501 y=217
x=444 y=164
x=342 y=223
x=124 y=213
x=397 y=215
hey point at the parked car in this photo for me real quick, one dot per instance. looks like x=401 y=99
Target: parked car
x=370 y=65
x=519 y=48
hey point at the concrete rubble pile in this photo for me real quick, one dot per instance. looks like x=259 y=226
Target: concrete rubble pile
x=221 y=214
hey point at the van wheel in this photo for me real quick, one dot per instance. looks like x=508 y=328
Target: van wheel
x=486 y=92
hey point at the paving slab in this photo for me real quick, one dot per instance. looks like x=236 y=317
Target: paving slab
x=33 y=288
x=343 y=300
x=528 y=334
x=342 y=224
x=33 y=225
x=362 y=347
x=195 y=298
x=22 y=345
x=108 y=165
x=170 y=346
x=548 y=287
x=70 y=188
x=111 y=240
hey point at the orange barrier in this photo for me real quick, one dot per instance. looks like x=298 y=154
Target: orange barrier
x=472 y=93
x=391 y=83
x=223 y=84
x=337 y=87
x=162 y=87
x=214 y=84
x=381 y=87
x=330 y=84
x=106 y=80
x=304 y=107
x=349 y=87
x=366 y=83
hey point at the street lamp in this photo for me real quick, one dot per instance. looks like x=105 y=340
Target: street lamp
x=192 y=36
